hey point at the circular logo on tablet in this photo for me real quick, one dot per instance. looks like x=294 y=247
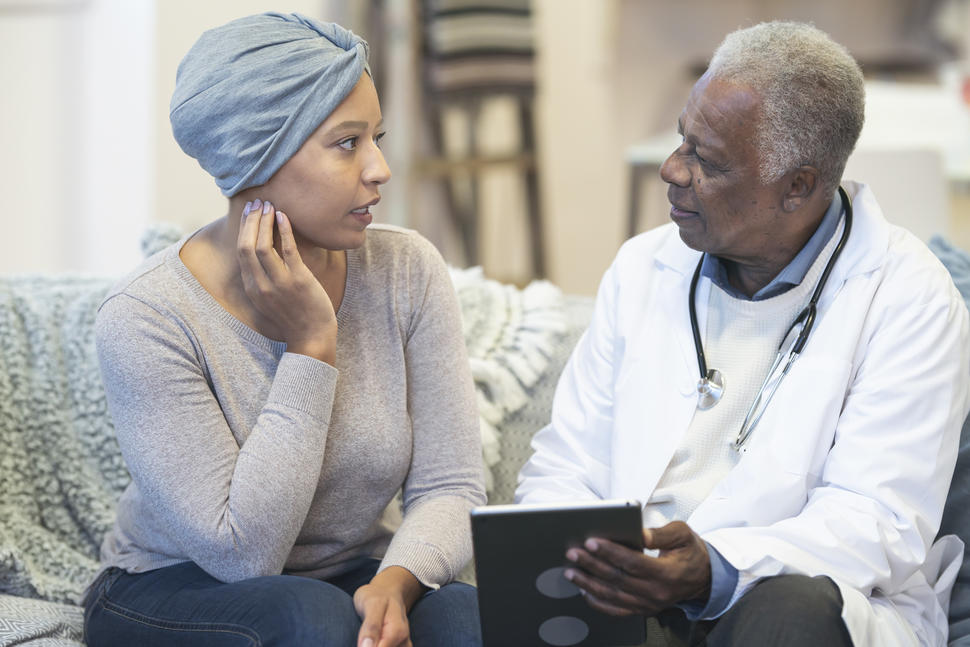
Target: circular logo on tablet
x=552 y=583
x=562 y=631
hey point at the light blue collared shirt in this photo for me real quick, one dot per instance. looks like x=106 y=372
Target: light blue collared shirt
x=724 y=577
x=713 y=268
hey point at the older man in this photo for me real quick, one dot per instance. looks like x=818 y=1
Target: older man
x=793 y=502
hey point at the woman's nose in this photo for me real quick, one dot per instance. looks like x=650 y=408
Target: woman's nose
x=377 y=170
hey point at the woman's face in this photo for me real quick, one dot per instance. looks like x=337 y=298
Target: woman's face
x=328 y=186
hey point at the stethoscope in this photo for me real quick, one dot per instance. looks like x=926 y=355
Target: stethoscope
x=710 y=387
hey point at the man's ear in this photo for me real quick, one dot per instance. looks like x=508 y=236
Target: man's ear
x=799 y=185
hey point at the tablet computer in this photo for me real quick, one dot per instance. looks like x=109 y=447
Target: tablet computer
x=520 y=557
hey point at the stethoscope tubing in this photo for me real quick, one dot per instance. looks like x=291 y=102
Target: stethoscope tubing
x=806 y=318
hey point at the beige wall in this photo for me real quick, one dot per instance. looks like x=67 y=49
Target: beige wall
x=33 y=131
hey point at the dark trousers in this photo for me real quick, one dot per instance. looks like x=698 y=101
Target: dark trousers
x=783 y=611
x=183 y=605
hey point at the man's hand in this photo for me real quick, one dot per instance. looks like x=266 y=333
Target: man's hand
x=621 y=581
x=383 y=607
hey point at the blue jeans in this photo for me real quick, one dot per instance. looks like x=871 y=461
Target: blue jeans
x=183 y=605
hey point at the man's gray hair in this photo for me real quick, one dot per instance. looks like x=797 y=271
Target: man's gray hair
x=812 y=91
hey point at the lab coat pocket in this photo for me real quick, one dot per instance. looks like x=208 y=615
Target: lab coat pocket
x=800 y=421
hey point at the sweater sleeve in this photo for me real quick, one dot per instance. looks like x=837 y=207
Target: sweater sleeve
x=233 y=507
x=446 y=476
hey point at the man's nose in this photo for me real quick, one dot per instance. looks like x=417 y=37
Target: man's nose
x=674 y=170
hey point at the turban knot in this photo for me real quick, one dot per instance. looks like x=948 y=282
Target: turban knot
x=249 y=93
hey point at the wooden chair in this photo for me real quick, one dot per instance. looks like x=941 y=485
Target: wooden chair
x=473 y=51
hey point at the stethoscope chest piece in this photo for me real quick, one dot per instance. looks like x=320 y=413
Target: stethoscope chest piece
x=710 y=389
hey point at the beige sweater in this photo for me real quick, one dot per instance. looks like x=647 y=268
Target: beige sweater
x=250 y=461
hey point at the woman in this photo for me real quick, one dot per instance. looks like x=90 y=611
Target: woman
x=276 y=377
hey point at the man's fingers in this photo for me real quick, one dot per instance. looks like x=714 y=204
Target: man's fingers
x=606 y=607
x=607 y=594
x=674 y=535
x=599 y=568
x=617 y=555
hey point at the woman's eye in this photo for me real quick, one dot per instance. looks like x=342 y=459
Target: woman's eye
x=348 y=144
x=378 y=138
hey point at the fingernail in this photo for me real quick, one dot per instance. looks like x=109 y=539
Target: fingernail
x=592 y=545
x=368 y=642
x=279 y=217
x=569 y=574
x=572 y=554
x=257 y=203
x=249 y=205
x=267 y=207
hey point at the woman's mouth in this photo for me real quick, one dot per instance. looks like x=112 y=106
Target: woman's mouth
x=362 y=215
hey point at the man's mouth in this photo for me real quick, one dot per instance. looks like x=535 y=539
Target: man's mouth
x=679 y=212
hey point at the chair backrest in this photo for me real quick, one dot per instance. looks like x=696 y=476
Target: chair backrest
x=480 y=48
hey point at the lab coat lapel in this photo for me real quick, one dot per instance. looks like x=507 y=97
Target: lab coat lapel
x=668 y=398
x=676 y=257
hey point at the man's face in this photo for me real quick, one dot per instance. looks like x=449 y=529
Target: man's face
x=717 y=197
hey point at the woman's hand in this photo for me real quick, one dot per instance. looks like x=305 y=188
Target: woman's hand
x=383 y=606
x=282 y=287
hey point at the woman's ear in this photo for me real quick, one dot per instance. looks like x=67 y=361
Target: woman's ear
x=800 y=184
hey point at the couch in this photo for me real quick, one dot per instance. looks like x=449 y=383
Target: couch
x=61 y=470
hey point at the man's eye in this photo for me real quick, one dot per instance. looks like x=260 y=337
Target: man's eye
x=378 y=138
x=348 y=144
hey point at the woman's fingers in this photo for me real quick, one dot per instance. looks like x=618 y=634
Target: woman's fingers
x=252 y=271
x=265 y=250
x=291 y=254
x=372 y=612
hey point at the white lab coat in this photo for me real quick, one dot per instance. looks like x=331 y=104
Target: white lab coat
x=847 y=472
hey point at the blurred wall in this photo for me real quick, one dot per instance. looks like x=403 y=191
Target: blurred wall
x=616 y=72
x=90 y=158
x=76 y=162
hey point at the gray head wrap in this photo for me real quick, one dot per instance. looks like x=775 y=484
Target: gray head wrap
x=249 y=93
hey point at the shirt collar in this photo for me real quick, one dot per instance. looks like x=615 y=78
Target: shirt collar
x=713 y=268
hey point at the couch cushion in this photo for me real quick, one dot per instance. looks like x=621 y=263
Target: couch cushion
x=512 y=336
x=956 y=519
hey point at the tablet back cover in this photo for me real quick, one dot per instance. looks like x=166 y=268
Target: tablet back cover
x=520 y=555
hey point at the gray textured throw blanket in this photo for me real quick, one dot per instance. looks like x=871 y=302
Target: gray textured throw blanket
x=60 y=468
